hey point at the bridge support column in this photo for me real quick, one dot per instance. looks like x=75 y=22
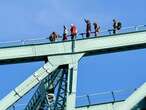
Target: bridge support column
x=72 y=85
x=72 y=62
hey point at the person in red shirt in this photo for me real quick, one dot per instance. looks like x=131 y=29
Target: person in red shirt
x=73 y=31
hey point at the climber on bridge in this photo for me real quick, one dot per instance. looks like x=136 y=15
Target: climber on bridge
x=65 y=32
x=53 y=37
x=96 y=28
x=116 y=26
x=73 y=31
x=88 y=27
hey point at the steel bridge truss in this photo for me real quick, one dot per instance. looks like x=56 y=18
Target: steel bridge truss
x=52 y=92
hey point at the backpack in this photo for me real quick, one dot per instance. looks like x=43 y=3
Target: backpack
x=50 y=38
x=119 y=25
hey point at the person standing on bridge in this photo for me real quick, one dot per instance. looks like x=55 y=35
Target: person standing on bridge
x=65 y=32
x=53 y=37
x=73 y=31
x=116 y=26
x=88 y=27
x=96 y=28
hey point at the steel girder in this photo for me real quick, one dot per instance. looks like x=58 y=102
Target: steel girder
x=55 y=83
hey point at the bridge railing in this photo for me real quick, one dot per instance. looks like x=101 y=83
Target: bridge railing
x=107 y=32
x=102 y=33
x=93 y=99
x=103 y=97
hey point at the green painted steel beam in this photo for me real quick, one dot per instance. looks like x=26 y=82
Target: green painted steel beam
x=90 y=46
x=131 y=103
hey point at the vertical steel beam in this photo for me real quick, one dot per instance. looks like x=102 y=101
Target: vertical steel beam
x=71 y=92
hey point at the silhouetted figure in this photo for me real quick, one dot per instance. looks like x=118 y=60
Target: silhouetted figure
x=117 y=25
x=114 y=26
x=65 y=32
x=96 y=28
x=88 y=27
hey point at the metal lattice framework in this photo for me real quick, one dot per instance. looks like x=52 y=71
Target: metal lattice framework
x=55 y=82
x=60 y=102
x=52 y=77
